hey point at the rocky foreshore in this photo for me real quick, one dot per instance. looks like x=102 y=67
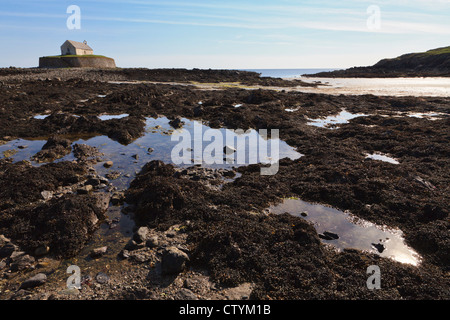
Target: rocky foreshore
x=202 y=233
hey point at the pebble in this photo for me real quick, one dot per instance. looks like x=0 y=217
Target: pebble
x=108 y=164
x=85 y=190
x=47 y=195
x=152 y=242
x=35 y=281
x=41 y=251
x=229 y=150
x=98 y=252
x=7 y=250
x=328 y=236
x=141 y=234
x=102 y=278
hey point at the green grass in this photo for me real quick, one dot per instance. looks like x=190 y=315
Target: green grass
x=438 y=51
x=432 y=52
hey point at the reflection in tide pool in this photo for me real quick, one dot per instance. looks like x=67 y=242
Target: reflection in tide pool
x=382 y=157
x=156 y=144
x=353 y=232
x=105 y=117
x=341 y=118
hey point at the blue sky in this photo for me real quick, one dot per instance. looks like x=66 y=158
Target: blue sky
x=225 y=34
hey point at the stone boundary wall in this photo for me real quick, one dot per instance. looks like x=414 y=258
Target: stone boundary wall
x=76 y=62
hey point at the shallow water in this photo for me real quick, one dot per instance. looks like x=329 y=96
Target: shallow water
x=382 y=157
x=105 y=117
x=353 y=232
x=420 y=87
x=341 y=118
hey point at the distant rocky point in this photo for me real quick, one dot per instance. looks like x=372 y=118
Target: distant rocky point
x=76 y=55
x=432 y=63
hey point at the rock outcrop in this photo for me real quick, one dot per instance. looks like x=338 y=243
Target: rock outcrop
x=433 y=63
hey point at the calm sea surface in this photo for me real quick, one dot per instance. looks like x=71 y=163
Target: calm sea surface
x=286 y=73
x=433 y=87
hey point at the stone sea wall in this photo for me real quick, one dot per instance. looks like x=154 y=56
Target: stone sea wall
x=76 y=62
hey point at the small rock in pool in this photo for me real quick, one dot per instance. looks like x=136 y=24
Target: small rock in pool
x=380 y=247
x=176 y=123
x=328 y=236
x=229 y=150
x=108 y=164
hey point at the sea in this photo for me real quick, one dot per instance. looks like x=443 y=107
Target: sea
x=419 y=87
x=286 y=73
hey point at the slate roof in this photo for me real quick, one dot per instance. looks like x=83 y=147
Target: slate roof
x=79 y=45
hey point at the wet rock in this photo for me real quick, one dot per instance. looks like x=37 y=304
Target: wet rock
x=117 y=198
x=83 y=152
x=173 y=261
x=304 y=214
x=103 y=180
x=176 y=123
x=22 y=147
x=133 y=245
x=124 y=254
x=185 y=294
x=55 y=148
x=328 y=236
x=101 y=200
x=85 y=189
x=102 y=278
x=229 y=150
x=93 y=182
x=22 y=262
x=108 y=164
x=47 y=195
x=98 y=252
x=135 y=156
x=113 y=175
x=152 y=242
x=7 y=250
x=41 y=251
x=2 y=265
x=35 y=281
x=150 y=150
x=141 y=235
x=3 y=240
x=379 y=246
x=198 y=111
